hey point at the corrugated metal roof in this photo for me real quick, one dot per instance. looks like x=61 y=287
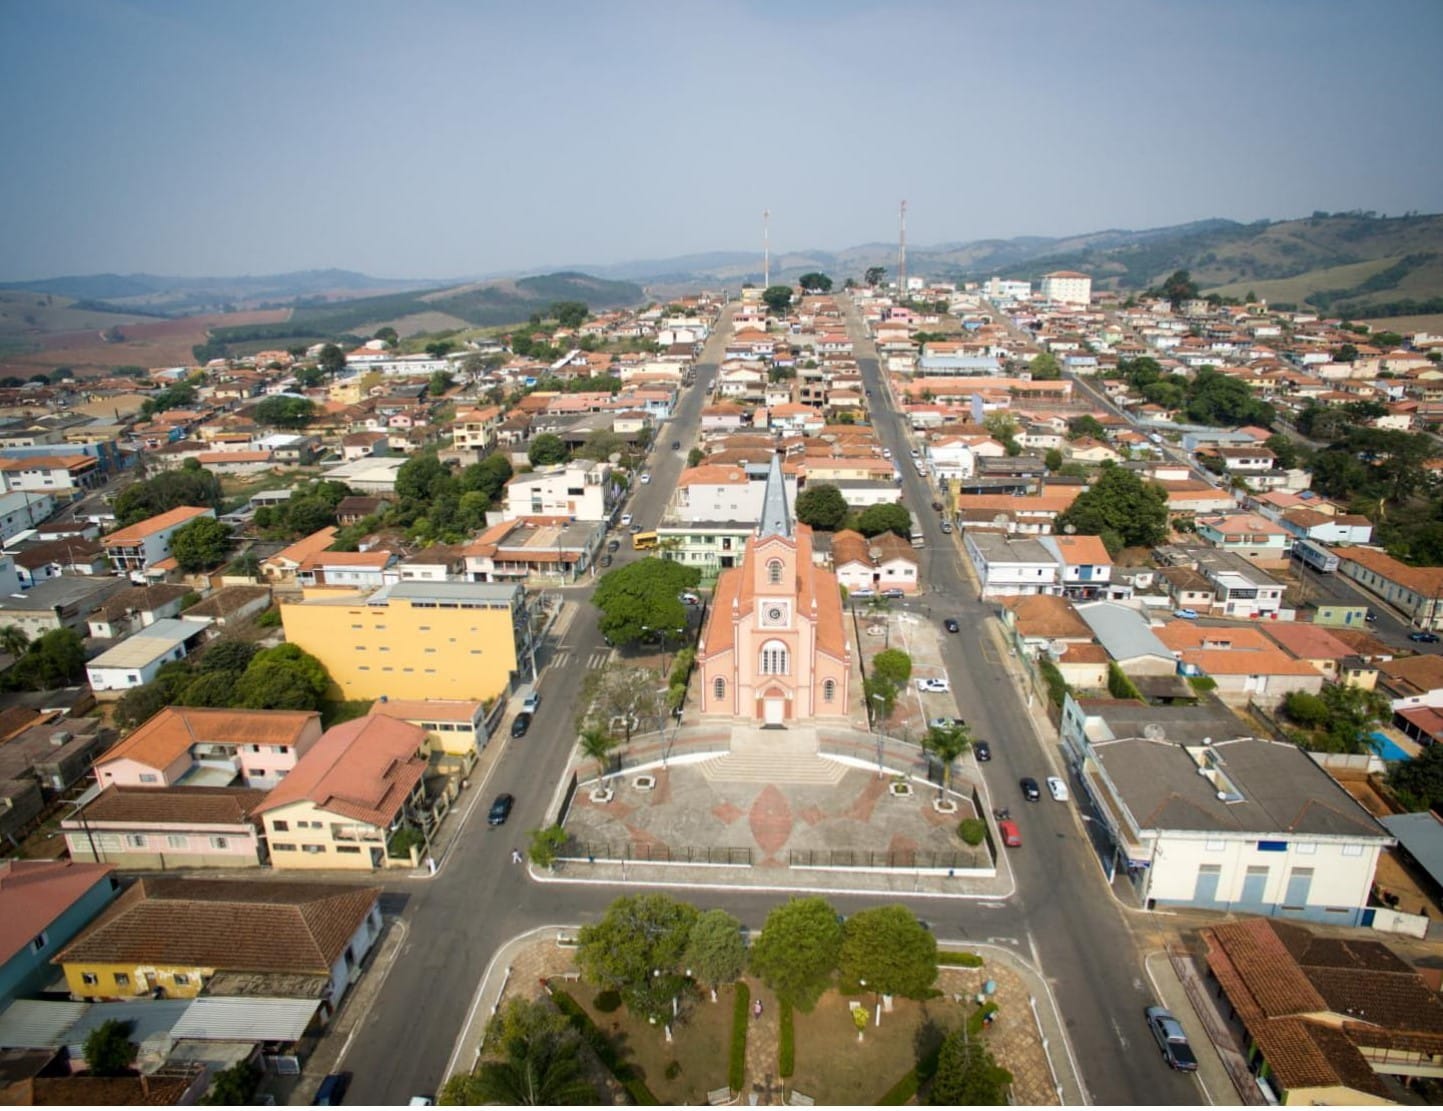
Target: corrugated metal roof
x=38 y=1023
x=152 y=1021
x=237 y=1019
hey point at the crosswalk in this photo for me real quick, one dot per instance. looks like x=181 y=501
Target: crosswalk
x=594 y=660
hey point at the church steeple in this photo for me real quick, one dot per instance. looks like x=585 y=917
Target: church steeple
x=776 y=519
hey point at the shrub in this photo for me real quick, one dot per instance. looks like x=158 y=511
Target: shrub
x=741 y=1012
x=1202 y=683
x=978 y=1018
x=961 y=960
x=605 y=1051
x=269 y=620
x=673 y=1070
x=972 y=830
x=1119 y=685
x=1056 y=684
x=787 y=1043
x=607 y=1001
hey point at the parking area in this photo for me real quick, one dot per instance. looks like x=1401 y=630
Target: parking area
x=881 y=627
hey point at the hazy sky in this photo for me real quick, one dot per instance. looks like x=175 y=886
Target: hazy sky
x=440 y=138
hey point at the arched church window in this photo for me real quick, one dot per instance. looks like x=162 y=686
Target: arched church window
x=829 y=691
x=719 y=689
x=774 y=572
x=775 y=659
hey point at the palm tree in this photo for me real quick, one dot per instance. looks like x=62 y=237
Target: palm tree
x=947 y=744
x=13 y=641
x=537 y=1072
x=596 y=744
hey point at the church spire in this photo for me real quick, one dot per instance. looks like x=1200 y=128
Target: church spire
x=776 y=519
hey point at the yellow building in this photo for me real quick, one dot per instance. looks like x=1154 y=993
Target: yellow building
x=414 y=640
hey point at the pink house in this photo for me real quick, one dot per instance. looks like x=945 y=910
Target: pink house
x=205 y=747
x=775 y=646
x=168 y=827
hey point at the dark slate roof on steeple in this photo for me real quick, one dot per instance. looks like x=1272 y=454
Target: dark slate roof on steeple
x=776 y=519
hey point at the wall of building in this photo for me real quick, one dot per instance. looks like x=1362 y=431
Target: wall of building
x=30 y=970
x=304 y=836
x=135 y=847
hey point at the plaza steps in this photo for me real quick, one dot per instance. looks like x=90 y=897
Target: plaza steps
x=781 y=766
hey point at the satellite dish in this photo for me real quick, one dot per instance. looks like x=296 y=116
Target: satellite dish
x=1056 y=649
x=1153 y=731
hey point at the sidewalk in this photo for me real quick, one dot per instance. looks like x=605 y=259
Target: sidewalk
x=1204 y=1032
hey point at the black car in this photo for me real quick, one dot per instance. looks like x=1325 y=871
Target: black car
x=1030 y=790
x=1424 y=638
x=613 y=544
x=983 y=751
x=951 y=625
x=937 y=506
x=332 y=1090
x=520 y=724
x=606 y=560
x=500 y=810
x=1171 y=1040
x=676 y=445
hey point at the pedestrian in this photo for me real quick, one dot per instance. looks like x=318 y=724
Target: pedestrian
x=757 y=1009
x=515 y=856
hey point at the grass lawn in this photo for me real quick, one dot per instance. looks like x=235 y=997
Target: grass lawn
x=700 y=1045
x=834 y=1068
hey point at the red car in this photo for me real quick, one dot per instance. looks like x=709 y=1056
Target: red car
x=1011 y=835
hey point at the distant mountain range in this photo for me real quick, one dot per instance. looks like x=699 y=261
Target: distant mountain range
x=1344 y=263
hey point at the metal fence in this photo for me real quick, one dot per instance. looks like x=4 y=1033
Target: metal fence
x=893 y=859
x=593 y=851
x=1222 y=1038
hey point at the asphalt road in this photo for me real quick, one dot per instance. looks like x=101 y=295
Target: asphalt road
x=1063 y=915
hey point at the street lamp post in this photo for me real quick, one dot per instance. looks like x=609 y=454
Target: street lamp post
x=877 y=725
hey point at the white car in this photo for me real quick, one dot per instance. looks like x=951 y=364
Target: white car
x=1057 y=788
x=625 y=519
x=886 y=453
x=934 y=686
x=645 y=478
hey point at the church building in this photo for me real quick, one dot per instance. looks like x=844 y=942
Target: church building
x=775 y=647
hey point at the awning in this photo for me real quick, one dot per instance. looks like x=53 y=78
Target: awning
x=244 y=1019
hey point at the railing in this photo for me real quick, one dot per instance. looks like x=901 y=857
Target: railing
x=1222 y=1038
x=897 y=859
x=593 y=851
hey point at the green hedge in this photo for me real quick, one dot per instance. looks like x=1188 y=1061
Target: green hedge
x=1120 y=686
x=787 y=1046
x=977 y=1020
x=605 y=1051
x=741 y=1014
x=972 y=830
x=965 y=960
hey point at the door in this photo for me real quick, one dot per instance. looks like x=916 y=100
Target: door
x=1300 y=882
x=1205 y=891
x=1255 y=884
x=775 y=710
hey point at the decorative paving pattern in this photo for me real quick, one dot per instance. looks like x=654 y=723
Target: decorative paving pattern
x=726 y=812
x=770 y=820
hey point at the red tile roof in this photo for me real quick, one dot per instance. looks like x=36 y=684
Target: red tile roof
x=137 y=532
x=34 y=893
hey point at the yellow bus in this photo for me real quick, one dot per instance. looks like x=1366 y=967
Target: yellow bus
x=643 y=541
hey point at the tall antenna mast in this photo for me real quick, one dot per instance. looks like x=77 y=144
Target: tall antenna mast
x=902 y=252
x=766 y=248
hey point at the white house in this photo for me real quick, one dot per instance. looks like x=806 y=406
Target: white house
x=580 y=490
x=719 y=492
x=138 y=547
x=1199 y=814
x=955 y=457
x=136 y=661
x=22 y=510
x=1006 y=566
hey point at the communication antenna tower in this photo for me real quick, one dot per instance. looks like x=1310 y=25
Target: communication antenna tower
x=766 y=248
x=902 y=251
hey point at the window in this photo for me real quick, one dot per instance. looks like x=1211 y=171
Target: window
x=149 y=777
x=122 y=979
x=774 y=572
x=39 y=942
x=774 y=658
x=829 y=691
x=177 y=841
x=1306 y=848
x=279 y=847
x=220 y=842
x=1352 y=850
x=348 y=848
x=1215 y=844
x=136 y=840
x=313 y=849
x=281 y=826
x=719 y=689
x=89 y=978
x=181 y=979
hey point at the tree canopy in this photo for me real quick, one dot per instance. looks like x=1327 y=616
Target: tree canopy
x=822 y=506
x=56 y=658
x=570 y=314
x=777 y=298
x=894 y=665
x=1120 y=508
x=109 y=1050
x=1045 y=367
x=890 y=951
x=547 y=448
x=1217 y=399
x=637 y=949
x=1418 y=782
x=285 y=412
x=534 y=1060
x=187 y=485
x=815 y=282
x=201 y=544
x=1179 y=288
x=877 y=519
x=642 y=597
x=798 y=950
x=967 y=1075
x=715 y=951
x=332 y=359
x=874 y=275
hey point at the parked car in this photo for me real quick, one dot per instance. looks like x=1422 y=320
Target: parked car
x=1030 y=790
x=1170 y=1039
x=676 y=445
x=500 y=810
x=951 y=625
x=983 y=751
x=937 y=506
x=947 y=527
x=1056 y=788
x=520 y=723
x=1370 y=617
x=1186 y=614
x=915 y=453
x=613 y=544
x=934 y=686
x=531 y=703
x=645 y=478
x=606 y=560
x=894 y=592
x=687 y=598
x=1011 y=835
x=332 y=1090
x=945 y=723
x=1424 y=638
x=625 y=519
x=886 y=453
x=864 y=592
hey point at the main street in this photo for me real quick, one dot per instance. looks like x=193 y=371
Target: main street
x=457 y=920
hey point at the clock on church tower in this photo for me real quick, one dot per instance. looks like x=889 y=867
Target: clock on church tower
x=775 y=613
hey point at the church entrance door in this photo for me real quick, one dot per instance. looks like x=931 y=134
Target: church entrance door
x=775 y=710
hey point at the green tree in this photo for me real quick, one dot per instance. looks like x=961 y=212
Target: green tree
x=423 y=478
x=488 y=477
x=1307 y=710
x=54 y=659
x=201 y=544
x=815 y=282
x=798 y=950
x=637 y=949
x=332 y=359
x=140 y=704
x=1045 y=367
x=890 y=951
x=967 y=1075
x=597 y=743
x=641 y=597
x=777 y=298
x=1179 y=288
x=877 y=519
x=545 y=449
x=1086 y=425
x=570 y=314
x=715 y=951
x=874 y=275
x=1418 y=782
x=822 y=506
x=881 y=695
x=534 y=1059
x=601 y=445
x=235 y=1086
x=1283 y=449
x=387 y=335
x=282 y=678
x=285 y=412
x=893 y=665
x=1001 y=426
x=694 y=457
x=109 y=1050
x=212 y=688
x=438 y=383
x=188 y=485
x=947 y=743
x=1216 y=399
x=1121 y=509
x=1053 y=460
x=440 y=348
x=309 y=377
x=13 y=641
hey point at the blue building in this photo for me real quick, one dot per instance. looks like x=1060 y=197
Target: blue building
x=44 y=904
